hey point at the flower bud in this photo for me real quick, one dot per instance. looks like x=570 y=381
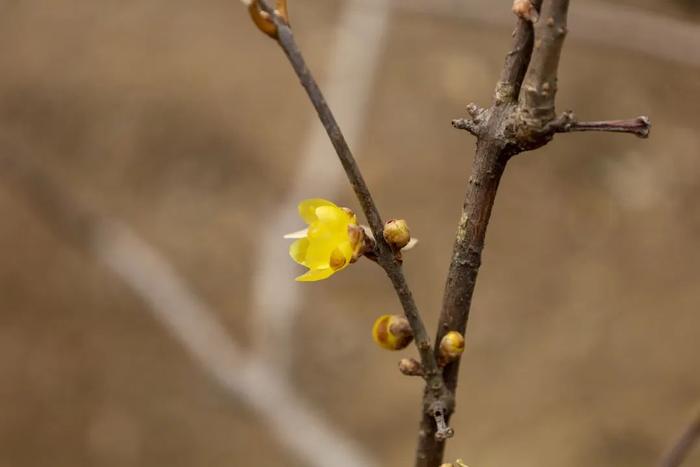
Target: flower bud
x=526 y=10
x=457 y=463
x=451 y=347
x=392 y=332
x=358 y=240
x=410 y=367
x=397 y=234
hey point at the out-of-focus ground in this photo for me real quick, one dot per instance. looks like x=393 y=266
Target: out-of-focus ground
x=180 y=119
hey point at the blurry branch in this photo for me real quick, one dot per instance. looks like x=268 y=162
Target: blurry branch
x=680 y=449
x=150 y=277
x=603 y=23
x=352 y=65
x=522 y=117
x=437 y=400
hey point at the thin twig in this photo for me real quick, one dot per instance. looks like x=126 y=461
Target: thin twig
x=352 y=66
x=680 y=449
x=540 y=85
x=439 y=399
x=518 y=58
x=639 y=126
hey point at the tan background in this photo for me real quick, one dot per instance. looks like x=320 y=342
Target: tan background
x=181 y=120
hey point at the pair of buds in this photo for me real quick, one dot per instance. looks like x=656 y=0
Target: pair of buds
x=393 y=332
x=262 y=18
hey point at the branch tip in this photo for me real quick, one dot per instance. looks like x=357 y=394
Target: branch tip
x=526 y=10
x=639 y=126
x=472 y=126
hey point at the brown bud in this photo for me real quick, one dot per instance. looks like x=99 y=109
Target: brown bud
x=358 y=240
x=410 y=367
x=525 y=10
x=397 y=234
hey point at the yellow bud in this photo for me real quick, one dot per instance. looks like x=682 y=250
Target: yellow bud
x=397 y=234
x=392 y=332
x=451 y=347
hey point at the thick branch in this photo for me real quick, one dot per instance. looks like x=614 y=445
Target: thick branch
x=540 y=86
x=487 y=168
x=439 y=398
x=683 y=445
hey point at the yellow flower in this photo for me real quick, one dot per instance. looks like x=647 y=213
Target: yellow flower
x=331 y=242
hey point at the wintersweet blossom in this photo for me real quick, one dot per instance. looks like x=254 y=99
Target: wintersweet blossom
x=332 y=240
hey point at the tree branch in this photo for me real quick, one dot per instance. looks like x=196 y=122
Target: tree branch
x=540 y=86
x=521 y=118
x=680 y=449
x=639 y=126
x=518 y=58
x=438 y=400
x=487 y=168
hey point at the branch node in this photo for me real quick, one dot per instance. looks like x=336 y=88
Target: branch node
x=474 y=111
x=443 y=431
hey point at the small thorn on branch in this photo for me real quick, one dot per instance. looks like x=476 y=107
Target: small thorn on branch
x=443 y=432
x=474 y=111
x=639 y=126
x=472 y=126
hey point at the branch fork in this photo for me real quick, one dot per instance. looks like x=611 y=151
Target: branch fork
x=521 y=118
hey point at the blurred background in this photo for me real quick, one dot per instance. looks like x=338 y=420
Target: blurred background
x=152 y=155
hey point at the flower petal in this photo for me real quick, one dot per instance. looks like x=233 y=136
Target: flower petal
x=318 y=253
x=315 y=275
x=347 y=250
x=298 y=249
x=307 y=208
x=332 y=215
x=411 y=244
